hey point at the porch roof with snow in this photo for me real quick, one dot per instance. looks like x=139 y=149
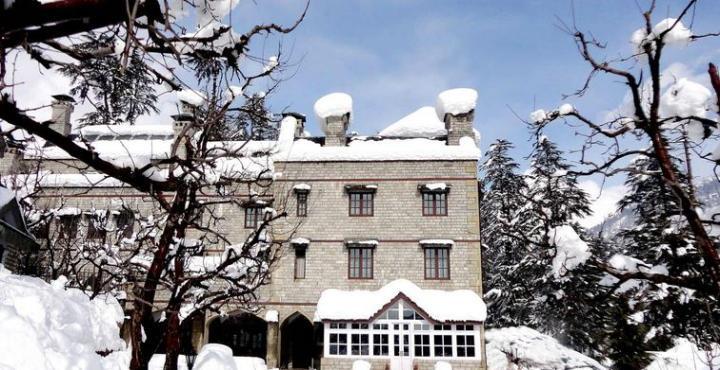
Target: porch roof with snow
x=435 y=305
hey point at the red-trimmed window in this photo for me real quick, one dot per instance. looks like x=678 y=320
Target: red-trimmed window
x=434 y=204
x=437 y=263
x=360 y=263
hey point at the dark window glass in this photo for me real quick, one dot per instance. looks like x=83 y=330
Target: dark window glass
x=443 y=345
x=302 y=204
x=338 y=344
x=361 y=204
x=125 y=222
x=96 y=229
x=465 y=346
x=380 y=345
x=69 y=226
x=361 y=263
x=422 y=345
x=359 y=344
x=434 y=204
x=437 y=263
x=300 y=263
x=253 y=217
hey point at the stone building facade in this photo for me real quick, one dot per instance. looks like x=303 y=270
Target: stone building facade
x=373 y=211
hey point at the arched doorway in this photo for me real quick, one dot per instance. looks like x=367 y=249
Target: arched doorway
x=297 y=344
x=245 y=333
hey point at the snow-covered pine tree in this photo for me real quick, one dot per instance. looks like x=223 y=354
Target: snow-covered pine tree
x=118 y=93
x=663 y=244
x=503 y=224
x=563 y=287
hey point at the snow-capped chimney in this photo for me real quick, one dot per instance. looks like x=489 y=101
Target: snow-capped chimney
x=61 y=115
x=456 y=108
x=300 y=123
x=334 y=112
x=179 y=122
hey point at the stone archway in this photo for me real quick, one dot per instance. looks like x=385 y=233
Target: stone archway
x=297 y=347
x=245 y=333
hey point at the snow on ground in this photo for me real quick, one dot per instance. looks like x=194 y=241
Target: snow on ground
x=686 y=355
x=441 y=305
x=524 y=348
x=361 y=365
x=212 y=356
x=45 y=326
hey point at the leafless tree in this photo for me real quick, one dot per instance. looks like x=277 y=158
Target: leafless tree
x=162 y=251
x=624 y=136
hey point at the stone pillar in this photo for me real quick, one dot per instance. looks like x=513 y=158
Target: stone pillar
x=273 y=345
x=459 y=126
x=61 y=114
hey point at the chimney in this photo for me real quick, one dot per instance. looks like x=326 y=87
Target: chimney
x=458 y=126
x=300 y=125
x=62 y=108
x=333 y=112
x=179 y=122
x=456 y=107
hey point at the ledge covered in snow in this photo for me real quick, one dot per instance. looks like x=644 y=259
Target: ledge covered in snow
x=439 y=305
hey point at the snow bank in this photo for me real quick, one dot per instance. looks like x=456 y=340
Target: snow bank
x=455 y=101
x=45 y=326
x=379 y=150
x=524 y=348
x=214 y=356
x=443 y=306
x=272 y=316
x=571 y=251
x=332 y=105
x=686 y=355
x=361 y=365
x=442 y=365
x=423 y=122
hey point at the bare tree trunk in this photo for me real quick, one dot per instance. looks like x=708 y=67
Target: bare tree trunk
x=172 y=336
x=703 y=240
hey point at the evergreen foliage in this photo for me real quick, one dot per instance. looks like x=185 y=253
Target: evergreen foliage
x=119 y=94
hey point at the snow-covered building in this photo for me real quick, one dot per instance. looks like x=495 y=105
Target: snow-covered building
x=17 y=245
x=381 y=253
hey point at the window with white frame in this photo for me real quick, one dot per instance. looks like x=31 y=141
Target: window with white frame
x=402 y=331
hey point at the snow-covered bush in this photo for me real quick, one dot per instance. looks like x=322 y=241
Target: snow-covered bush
x=45 y=326
x=686 y=355
x=361 y=365
x=524 y=348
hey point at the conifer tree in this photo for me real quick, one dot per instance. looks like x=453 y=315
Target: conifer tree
x=502 y=220
x=118 y=93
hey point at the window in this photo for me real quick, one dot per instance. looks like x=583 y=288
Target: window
x=69 y=226
x=300 y=263
x=380 y=345
x=465 y=345
x=125 y=223
x=434 y=204
x=361 y=263
x=253 y=217
x=437 y=263
x=361 y=203
x=443 y=345
x=338 y=344
x=359 y=344
x=2 y=252
x=422 y=345
x=96 y=228
x=302 y=204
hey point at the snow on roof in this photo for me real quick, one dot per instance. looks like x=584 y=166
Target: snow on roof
x=304 y=187
x=382 y=150
x=123 y=130
x=332 y=105
x=301 y=241
x=77 y=180
x=440 y=305
x=532 y=351
x=571 y=250
x=455 y=101
x=423 y=122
